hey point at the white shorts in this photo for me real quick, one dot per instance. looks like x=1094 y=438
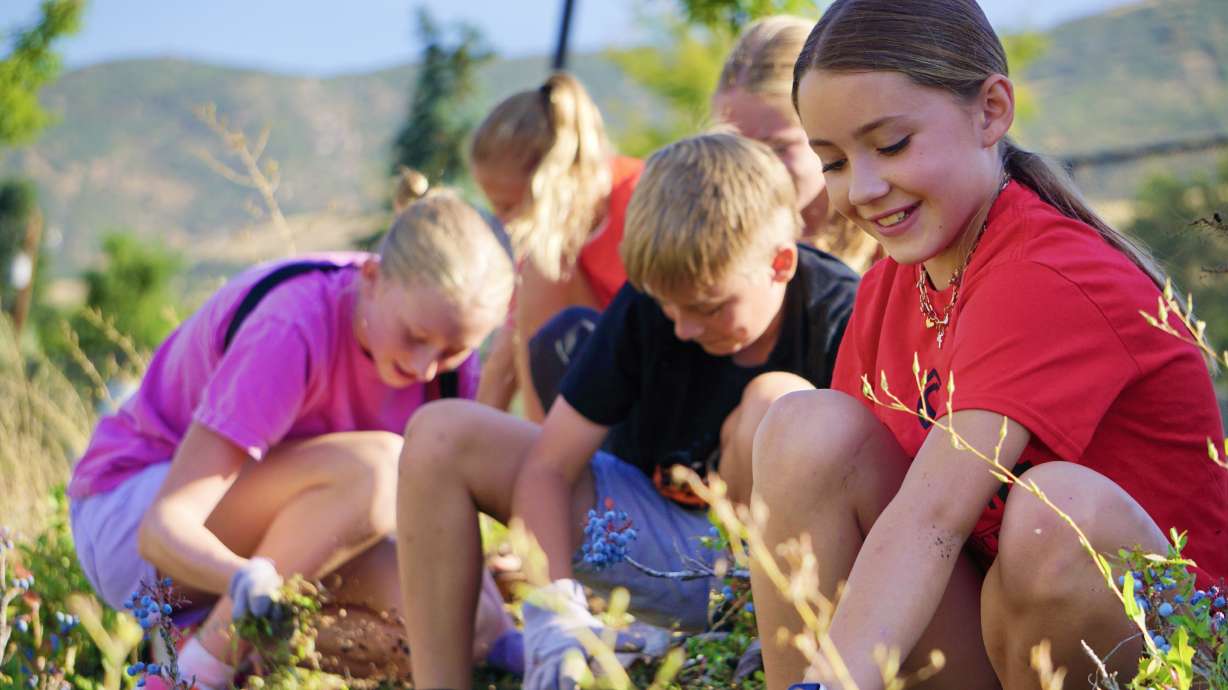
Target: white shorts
x=105 y=528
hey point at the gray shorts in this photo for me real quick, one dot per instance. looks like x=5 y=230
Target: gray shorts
x=666 y=533
x=105 y=528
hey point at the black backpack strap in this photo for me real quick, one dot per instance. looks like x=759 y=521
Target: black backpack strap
x=446 y=385
x=266 y=285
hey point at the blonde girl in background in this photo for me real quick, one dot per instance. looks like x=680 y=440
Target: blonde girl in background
x=753 y=96
x=544 y=162
x=263 y=440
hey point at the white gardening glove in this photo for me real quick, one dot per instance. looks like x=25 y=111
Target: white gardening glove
x=552 y=617
x=255 y=588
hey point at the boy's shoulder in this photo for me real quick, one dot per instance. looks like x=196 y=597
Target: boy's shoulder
x=823 y=280
x=816 y=263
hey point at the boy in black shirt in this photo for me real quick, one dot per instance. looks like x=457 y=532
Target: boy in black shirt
x=723 y=313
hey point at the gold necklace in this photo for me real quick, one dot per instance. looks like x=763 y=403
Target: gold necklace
x=932 y=319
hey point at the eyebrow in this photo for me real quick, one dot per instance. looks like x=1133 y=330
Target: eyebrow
x=862 y=130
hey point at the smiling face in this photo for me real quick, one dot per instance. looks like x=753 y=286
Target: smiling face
x=914 y=167
x=738 y=315
x=413 y=333
x=771 y=120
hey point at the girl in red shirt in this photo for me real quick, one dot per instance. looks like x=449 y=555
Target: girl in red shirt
x=999 y=276
x=545 y=165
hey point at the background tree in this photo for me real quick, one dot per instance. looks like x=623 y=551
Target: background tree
x=433 y=138
x=29 y=65
x=1176 y=219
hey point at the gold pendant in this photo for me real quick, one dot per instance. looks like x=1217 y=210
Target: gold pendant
x=929 y=323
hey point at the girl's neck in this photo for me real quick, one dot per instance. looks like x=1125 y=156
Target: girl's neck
x=942 y=267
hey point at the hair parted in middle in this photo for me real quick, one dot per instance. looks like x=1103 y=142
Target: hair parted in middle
x=761 y=64
x=443 y=242
x=762 y=60
x=703 y=206
x=555 y=136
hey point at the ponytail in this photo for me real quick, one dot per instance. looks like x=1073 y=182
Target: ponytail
x=1057 y=190
x=555 y=137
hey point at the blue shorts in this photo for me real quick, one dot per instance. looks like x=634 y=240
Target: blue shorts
x=666 y=535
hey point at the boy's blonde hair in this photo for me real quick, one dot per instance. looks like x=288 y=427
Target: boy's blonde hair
x=440 y=241
x=554 y=135
x=704 y=206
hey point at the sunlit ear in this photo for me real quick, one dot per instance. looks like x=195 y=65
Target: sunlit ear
x=996 y=109
x=784 y=263
x=369 y=271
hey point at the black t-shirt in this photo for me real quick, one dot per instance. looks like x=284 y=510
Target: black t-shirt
x=666 y=399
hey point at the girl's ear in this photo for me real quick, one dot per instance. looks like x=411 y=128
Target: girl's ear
x=369 y=271
x=996 y=109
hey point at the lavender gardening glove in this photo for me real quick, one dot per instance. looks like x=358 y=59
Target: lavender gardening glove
x=552 y=617
x=255 y=589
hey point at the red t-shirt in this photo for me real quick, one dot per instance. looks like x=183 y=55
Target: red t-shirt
x=1047 y=331
x=599 y=259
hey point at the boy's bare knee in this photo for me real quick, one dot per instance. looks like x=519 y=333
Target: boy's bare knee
x=808 y=437
x=764 y=389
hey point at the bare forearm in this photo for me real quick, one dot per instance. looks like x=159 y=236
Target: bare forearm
x=498 y=382
x=542 y=499
x=892 y=592
x=183 y=548
x=533 y=410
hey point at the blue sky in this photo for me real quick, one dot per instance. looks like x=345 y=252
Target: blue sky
x=324 y=37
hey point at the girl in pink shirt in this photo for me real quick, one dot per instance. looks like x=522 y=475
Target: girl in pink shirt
x=264 y=438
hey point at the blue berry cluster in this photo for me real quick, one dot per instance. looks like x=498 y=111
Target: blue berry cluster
x=24 y=583
x=607 y=537
x=144 y=671
x=152 y=606
x=1169 y=600
x=148 y=611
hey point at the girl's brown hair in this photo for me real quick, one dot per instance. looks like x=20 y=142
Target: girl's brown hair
x=956 y=51
x=553 y=135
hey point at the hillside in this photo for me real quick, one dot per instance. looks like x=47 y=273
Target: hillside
x=123 y=154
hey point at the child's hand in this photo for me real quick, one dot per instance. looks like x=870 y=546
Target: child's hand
x=552 y=617
x=255 y=588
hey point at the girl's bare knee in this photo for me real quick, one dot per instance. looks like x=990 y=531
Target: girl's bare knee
x=431 y=439
x=1038 y=551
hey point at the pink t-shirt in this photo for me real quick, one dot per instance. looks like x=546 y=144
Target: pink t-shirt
x=294 y=370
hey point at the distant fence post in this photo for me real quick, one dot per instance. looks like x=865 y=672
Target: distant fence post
x=560 y=50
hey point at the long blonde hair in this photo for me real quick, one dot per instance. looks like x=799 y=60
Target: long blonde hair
x=702 y=207
x=761 y=63
x=956 y=52
x=555 y=136
x=442 y=242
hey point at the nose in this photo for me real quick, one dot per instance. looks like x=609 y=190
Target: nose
x=424 y=364
x=866 y=184
x=686 y=329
